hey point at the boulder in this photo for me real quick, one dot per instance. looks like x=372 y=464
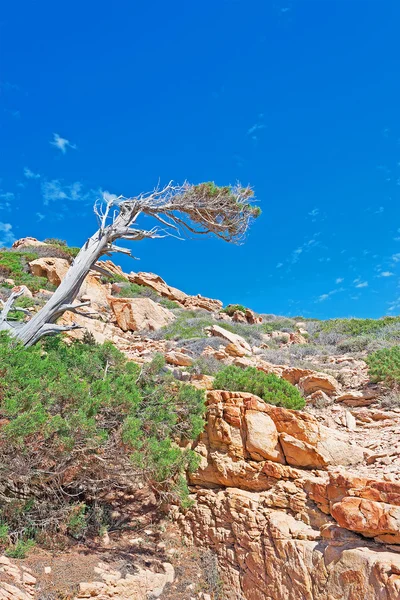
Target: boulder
x=262 y=437
x=319 y=381
x=194 y=302
x=179 y=359
x=156 y=283
x=25 y=291
x=138 y=314
x=228 y=336
x=27 y=242
x=234 y=350
x=54 y=269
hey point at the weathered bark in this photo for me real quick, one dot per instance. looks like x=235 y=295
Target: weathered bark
x=224 y=213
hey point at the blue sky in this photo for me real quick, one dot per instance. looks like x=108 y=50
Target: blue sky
x=299 y=98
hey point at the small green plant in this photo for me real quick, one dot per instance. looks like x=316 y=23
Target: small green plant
x=384 y=366
x=167 y=303
x=76 y=524
x=267 y=386
x=232 y=308
x=20 y=549
x=3 y=533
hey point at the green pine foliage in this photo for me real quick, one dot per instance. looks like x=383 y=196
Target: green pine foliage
x=384 y=366
x=85 y=410
x=267 y=386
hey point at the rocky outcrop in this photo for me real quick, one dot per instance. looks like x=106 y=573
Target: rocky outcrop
x=287 y=521
x=53 y=269
x=156 y=283
x=140 y=314
x=27 y=242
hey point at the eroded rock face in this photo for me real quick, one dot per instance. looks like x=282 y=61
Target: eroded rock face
x=266 y=552
x=138 y=314
x=54 y=269
x=286 y=519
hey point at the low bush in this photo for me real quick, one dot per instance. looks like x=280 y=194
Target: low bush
x=356 y=327
x=384 y=366
x=232 y=308
x=206 y=365
x=189 y=324
x=14 y=265
x=80 y=420
x=278 y=324
x=267 y=386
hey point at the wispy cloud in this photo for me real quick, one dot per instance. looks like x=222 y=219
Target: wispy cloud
x=6 y=199
x=396 y=257
x=386 y=274
x=55 y=191
x=62 y=143
x=256 y=127
x=362 y=284
x=314 y=212
x=339 y=280
x=30 y=174
x=40 y=216
x=328 y=295
x=279 y=265
x=7 y=236
x=306 y=247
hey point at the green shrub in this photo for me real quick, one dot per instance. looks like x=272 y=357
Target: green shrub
x=14 y=265
x=189 y=324
x=384 y=365
x=356 y=327
x=20 y=549
x=267 y=386
x=85 y=410
x=167 y=303
x=232 y=308
x=278 y=325
x=3 y=533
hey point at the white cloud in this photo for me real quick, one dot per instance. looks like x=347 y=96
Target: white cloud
x=279 y=265
x=55 y=190
x=62 y=143
x=30 y=174
x=40 y=216
x=303 y=248
x=396 y=257
x=314 y=212
x=6 y=234
x=362 y=284
x=6 y=198
x=324 y=297
x=339 y=280
x=255 y=127
x=386 y=274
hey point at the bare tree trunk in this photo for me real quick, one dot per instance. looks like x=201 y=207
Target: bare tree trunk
x=43 y=323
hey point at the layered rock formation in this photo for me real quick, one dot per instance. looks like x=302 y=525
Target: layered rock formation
x=286 y=519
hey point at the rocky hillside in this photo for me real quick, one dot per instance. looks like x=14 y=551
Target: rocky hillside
x=295 y=487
